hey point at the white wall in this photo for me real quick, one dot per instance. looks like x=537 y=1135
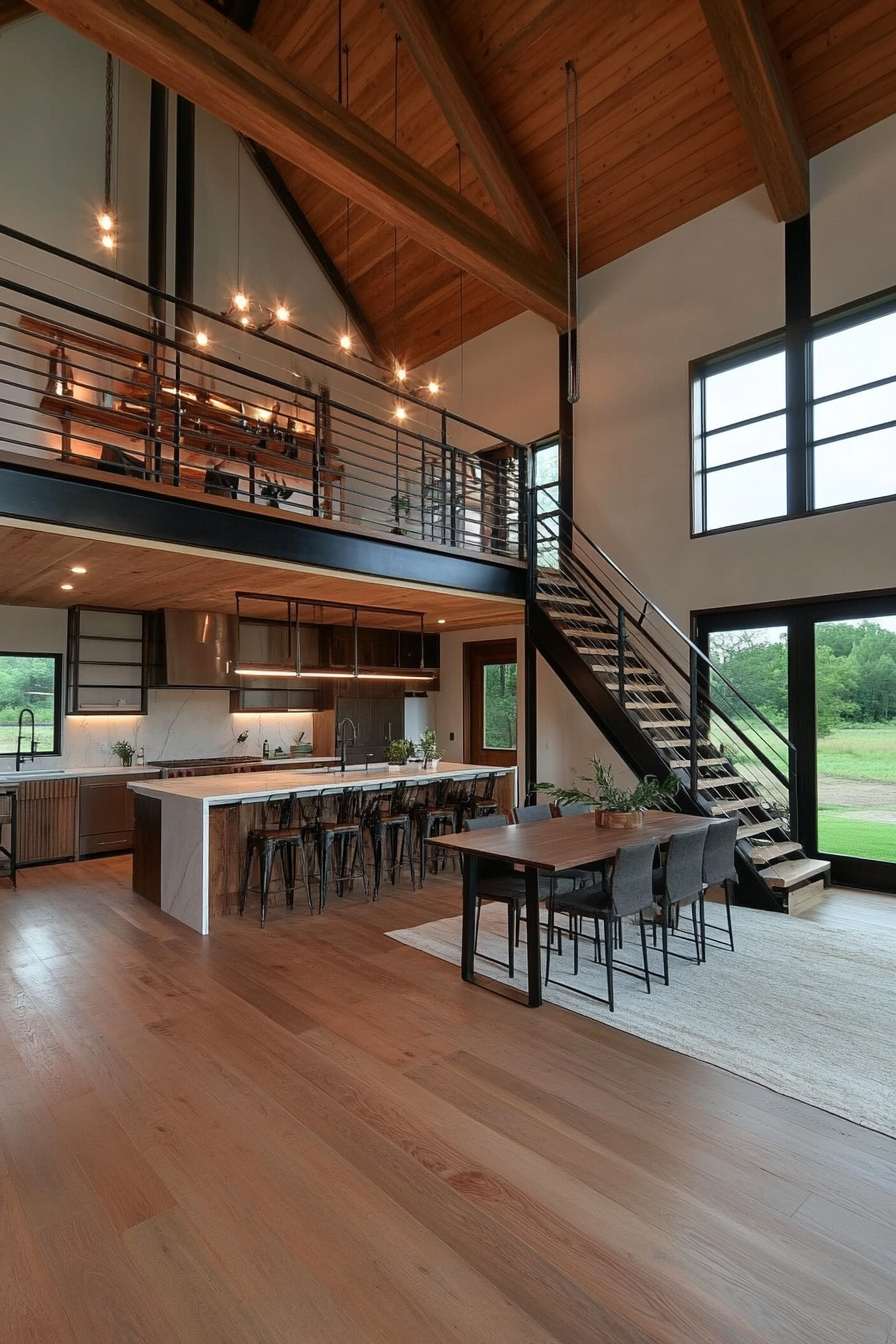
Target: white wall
x=178 y=724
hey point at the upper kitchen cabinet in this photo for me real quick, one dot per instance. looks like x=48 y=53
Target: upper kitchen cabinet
x=106 y=661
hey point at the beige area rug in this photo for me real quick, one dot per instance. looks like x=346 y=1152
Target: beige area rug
x=805 y=1010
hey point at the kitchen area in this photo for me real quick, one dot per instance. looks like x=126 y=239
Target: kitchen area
x=107 y=712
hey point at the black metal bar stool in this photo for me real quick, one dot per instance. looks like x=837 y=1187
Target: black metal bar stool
x=286 y=840
x=436 y=815
x=483 y=799
x=8 y=822
x=396 y=824
x=345 y=829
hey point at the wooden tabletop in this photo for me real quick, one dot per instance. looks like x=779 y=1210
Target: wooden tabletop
x=564 y=842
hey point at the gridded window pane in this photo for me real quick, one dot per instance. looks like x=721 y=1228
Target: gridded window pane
x=860 y=411
x=858 y=355
x=746 y=391
x=28 y=683
x=854 y=469
x=745 y=494
x=499 y=706
x=547 y=464
x=731 y=445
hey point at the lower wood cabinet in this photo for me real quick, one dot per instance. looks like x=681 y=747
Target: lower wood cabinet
x=47 y=827
x=106 y=815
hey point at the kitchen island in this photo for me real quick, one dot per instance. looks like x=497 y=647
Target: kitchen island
x=189 y=841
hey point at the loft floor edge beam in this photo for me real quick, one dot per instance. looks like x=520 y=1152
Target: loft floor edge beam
x=755 y=73
x=188 y=46
x=426 y=34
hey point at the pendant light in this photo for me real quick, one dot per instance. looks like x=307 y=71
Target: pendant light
x=400 y=368
x=251 y=315
x=106 y=217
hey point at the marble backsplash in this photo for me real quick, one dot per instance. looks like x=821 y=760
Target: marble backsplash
x=179 y=724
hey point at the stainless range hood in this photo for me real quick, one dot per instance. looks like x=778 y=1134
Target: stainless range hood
x=193 y=648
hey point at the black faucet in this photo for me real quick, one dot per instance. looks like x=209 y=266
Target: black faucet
x=20 y=754
x=341 y=742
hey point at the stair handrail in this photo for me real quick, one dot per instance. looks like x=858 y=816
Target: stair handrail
x=648 y=604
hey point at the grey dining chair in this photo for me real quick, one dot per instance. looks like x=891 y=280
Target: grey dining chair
x=719 y=868
x=499 y=881
x=680 y=883
x=629 y=891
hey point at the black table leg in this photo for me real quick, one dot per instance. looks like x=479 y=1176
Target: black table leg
x=533 y=938
x=468 y=933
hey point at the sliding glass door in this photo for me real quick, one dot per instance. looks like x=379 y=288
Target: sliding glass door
x=855 y=721
x=824 y=674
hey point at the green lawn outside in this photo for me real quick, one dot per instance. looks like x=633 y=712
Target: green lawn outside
x=840 y=833
x=860 y=753
x=9 y=735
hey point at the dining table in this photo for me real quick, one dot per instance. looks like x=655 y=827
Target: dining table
x=544 y=847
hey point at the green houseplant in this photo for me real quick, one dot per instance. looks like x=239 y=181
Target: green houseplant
x=429 y=748
x=613 y=806
x=124 y=751
x=398 y=751
x=401 y=504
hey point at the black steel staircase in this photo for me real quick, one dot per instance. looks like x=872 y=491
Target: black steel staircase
x=655 y=696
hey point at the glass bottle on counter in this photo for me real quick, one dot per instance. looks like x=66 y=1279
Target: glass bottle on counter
x=266 y=750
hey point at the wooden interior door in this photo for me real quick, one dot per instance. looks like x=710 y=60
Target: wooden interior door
x=490 y=702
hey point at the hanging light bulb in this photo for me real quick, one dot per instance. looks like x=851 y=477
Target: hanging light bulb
x=433 y=386
x=107 y=240
x=281 y=313
x=202 y=338
x=400 y=413
x=244 y=321
x=345 y=341
x=401 y=373
x=105 y=222
x=106 y=218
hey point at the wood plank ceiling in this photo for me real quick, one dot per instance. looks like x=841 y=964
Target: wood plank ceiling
x=661 y=138
x=138 y=576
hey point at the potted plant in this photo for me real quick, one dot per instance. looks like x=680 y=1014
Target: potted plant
x=401 y=504
x=621 y=808
x=124 y=751
x=397 y=752
x=429 y=748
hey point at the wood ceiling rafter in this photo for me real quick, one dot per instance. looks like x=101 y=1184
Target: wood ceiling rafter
x=759 y=86
x=13 y=10
x=429 y=39
x=188 y=46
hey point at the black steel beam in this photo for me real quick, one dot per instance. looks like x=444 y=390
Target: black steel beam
x=797 y=340
x=117 y=510
x=157 y=249
x=309 y=236
x=184 y=213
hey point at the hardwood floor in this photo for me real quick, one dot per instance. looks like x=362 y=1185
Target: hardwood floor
x=315 y=1135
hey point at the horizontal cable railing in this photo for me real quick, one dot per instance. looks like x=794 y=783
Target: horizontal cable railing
x=698 y=717
x=87 y=379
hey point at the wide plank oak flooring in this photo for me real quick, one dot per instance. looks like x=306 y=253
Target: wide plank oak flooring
x=315 y=1135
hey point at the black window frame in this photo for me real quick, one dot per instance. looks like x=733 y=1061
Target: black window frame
x=800 y=447
x=57 y=696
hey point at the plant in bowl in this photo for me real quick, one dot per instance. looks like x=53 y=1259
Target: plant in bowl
x=124 y=751
x=398 y=751
x=429 y=748
x=401 y=504
x=613 y=806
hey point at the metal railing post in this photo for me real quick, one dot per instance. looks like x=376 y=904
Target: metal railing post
x=694 y=705
x=620 y=653
x=178 y=412
x=315 y=462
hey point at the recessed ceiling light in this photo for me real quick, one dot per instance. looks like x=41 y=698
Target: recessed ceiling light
x=78 y=569
x=66 y=587
x=440 y=621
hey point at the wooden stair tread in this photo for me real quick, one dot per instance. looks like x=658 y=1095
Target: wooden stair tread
x=784 y=876
x=762 y=854
x=648 y=704
x=722 y=782
x=682 y=764
x=734 y=805
x=758 y=827
x=666 y=723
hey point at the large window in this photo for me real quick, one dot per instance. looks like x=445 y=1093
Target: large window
x=30 y=683
x=842 y=439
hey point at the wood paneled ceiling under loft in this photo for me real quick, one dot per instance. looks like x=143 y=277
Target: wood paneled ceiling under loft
x=684 y=104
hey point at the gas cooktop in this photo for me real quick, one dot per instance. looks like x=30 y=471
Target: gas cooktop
x=207 y=760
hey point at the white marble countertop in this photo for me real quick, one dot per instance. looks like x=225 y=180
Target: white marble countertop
x=22 y=776
x=211 y=789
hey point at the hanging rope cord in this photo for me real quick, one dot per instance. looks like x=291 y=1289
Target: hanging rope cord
x=573 y=381
x=348 y=204
x=460 y=192
x=395 y=229
x=109 y=131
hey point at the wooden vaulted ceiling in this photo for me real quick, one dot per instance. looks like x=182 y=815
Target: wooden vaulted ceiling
x=684 y=104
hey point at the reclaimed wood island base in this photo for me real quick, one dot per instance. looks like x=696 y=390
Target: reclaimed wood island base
x=190 y=834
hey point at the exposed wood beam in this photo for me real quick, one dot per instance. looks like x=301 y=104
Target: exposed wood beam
x=188 y=46
x=758 y=83
x=13 y=10
x=303 y=227
x=430 y=41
